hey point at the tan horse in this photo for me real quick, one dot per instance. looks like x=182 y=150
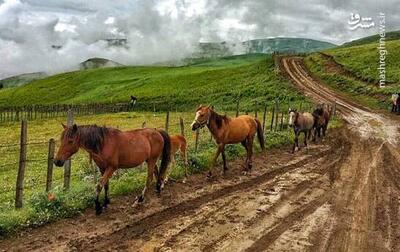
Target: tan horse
x=226 y=130
x=178 y=143
x=112 y=149
x=301 y=122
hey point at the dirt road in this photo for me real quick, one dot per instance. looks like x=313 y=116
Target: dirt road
x=341 y=194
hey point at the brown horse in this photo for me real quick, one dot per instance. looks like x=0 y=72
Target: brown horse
x=322 y=117
x=227 y=130
x=112 y=149
x=301 y=122
x=178 y=143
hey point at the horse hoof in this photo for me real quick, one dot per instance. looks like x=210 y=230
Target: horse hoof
x=140 y=199
x=106 y=203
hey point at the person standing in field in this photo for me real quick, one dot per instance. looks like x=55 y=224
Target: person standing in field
x=133 y=102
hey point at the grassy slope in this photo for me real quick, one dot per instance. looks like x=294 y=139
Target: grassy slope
x=393 y=35
x=217 y=81
x=222 y=79
x=362 y=61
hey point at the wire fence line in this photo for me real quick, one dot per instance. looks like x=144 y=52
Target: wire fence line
x=40 y=166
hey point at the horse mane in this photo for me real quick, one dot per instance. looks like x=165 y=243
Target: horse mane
x=218 y=118
x=91 y=137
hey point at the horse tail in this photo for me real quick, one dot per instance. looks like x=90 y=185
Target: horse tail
x=165 y=158
x=260 y=134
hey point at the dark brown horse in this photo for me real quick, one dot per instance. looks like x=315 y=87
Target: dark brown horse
x=112 y=149
x=227 y=130
x=322 y=117
x=301 y=122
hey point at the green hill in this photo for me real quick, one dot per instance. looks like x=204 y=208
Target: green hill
x=362 y=62
x=393 y=35
x=217 y=81
x=21 y=79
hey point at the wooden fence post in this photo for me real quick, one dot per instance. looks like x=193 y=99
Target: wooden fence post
x=67 y=164
x=167 y=121
x=276 y=117
x=264 y=117
x=182 y=126
x=281 y=127
x=22 y=162
x=196 y=140
x=50 y=160
x=237 y=107
x=272 y=117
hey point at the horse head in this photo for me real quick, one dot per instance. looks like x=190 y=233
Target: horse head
x=69 y=144
x=292 y=116
x=202 y=117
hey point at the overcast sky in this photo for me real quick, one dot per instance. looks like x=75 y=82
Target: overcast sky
x=161 y=30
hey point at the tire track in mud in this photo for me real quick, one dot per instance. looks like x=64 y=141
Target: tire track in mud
x=365 y=206
x=342 y=195
x=137 y=229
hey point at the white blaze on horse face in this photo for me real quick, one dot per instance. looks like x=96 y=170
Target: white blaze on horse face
x=291 y=116
x=195 y=118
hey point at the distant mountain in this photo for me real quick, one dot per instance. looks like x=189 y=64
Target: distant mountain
x=94 y=63
x=297 y=45
x=21 y=79
x=393 y=35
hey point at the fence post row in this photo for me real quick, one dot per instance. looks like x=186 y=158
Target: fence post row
x=22 y=163
x=50 y=163
x=67 y=164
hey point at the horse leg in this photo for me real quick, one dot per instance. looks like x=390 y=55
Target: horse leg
x=315 y=135
x=151 y=165
x=219 y=150
x=244 y=143
x=106 y=199
x=296 y=141
x=184 y=156
x=250 y=141
x=103 y=181
x=305 y=138
x=224 y=161
x=170 y=167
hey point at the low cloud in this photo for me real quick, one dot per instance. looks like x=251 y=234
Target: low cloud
x=162 y=30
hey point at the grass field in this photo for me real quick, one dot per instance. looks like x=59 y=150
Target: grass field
x=362 y=61
x=38 y=210
x=218 y=81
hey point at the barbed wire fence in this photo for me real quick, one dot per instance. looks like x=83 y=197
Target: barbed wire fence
x=35 y=158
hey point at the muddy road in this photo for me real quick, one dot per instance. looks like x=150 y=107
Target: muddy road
x=340 y=194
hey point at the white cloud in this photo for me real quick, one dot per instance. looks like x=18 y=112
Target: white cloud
x=160 y=30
